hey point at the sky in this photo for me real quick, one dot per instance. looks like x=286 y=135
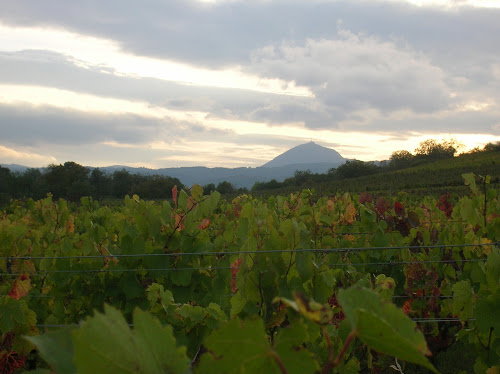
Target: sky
x=233 y=83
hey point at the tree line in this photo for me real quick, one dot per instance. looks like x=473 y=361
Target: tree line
x=71 y=181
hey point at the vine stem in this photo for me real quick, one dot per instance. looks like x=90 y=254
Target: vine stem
x=348 y=341
x=330 y=362
x=279 y=362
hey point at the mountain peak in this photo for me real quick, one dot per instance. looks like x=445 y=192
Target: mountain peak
x=308 y=153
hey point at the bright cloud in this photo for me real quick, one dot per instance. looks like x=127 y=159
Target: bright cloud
x=26 y=158
x=87 y=51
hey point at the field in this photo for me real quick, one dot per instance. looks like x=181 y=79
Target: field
x=296 y=283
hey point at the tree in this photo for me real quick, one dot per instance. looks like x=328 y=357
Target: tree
x=490 y=147
x=208 y=188
x=261 y=186
x=5 y=184
x=356 y=168
x=68 y=181
x=155 y=187
x=122 y=183
x=302 y=177
x=4 y=179
x=100 y=183
x=226 y=187
x=431 y=149
x=401 y=159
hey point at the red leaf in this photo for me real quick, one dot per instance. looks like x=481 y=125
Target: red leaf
x=174 y=194
x=10 y=362
x=179 y=222
x=398 y=208
x=235 y=268
x=204 y=224
x=365 y=197
x=21 y=287
x=23 y=266
x=407 y=306
x=382 y=205
x=444 y=205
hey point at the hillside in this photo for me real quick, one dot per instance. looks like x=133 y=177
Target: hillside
x=438 y=176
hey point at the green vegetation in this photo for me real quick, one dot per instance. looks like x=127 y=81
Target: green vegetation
x=288 y=284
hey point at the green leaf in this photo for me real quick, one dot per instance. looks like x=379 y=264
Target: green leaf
x=243 y=347
x=156 y=348
x=237 y=303
x=105 y=344
x=182 y=200
x=304 y=265
x=15 y=314
x=287 y=344
x=194 y=313
x=384 y=327
x=470 y=180
x=196 y=192
x=238 y=347
x=493 y=269
x=487 y=312
x=56 y=347
x=462 y=299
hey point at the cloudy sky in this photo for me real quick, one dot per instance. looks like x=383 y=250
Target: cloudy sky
x=233 y=83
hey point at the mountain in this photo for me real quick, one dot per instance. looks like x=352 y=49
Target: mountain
x=309 y=156
x=309 y=153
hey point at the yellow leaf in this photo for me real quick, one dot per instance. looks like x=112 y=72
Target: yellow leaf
x=349 y=213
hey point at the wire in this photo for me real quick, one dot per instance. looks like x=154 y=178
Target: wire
x=390 y=263
x=417 y=320
x=40 y=273
x=421 y=297
x=406 y=262
x=221 y=253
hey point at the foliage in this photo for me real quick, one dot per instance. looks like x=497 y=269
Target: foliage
x=431 y=149
x=314 y=280
x=355 y=168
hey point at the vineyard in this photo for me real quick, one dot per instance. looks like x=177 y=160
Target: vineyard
x=288 y=284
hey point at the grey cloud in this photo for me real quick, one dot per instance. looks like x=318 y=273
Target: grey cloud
x=354 y=72
x=35 y=125
x=224 y=34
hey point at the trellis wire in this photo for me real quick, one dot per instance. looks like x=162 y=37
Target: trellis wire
x=341 y=250
x=83 y=271
x=416 y=320
x=221 y=253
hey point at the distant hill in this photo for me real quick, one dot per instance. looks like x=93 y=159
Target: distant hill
x=15 y=167
x=239 y=177
x=309 y=156
x=309 y=153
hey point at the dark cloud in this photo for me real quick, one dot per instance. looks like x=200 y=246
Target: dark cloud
x=222 y=35
x=38 y=125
